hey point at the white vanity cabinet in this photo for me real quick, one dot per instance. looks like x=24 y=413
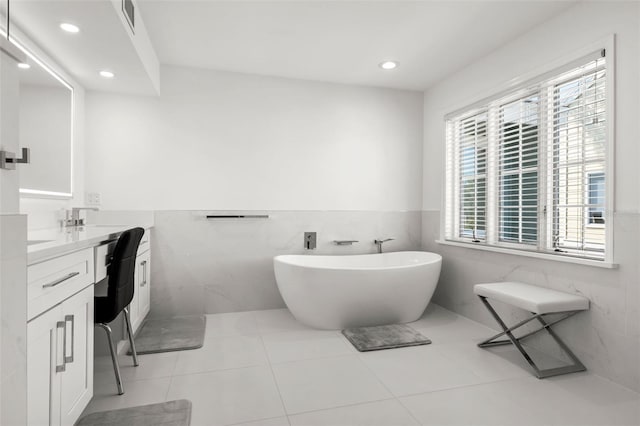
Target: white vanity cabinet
x=141 y=303
x=60 y=338
x=61 y=283
x=60 y=361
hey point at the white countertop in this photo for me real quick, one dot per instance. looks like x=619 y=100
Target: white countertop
x=48 y=243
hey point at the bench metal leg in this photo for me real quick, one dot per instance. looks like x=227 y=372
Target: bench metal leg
x=575 y=367
x=540 y=373
x=491 y=340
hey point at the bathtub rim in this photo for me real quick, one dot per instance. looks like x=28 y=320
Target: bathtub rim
x=285 y=259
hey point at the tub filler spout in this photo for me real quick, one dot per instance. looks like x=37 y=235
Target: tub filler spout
x=380 y=242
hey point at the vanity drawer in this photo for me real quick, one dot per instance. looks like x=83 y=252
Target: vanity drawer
x=145 y=242
x=55 y=280
x=103 y=255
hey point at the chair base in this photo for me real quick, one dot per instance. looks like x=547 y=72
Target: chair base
x=576 y=366
x=132 y=343
x=112 y=349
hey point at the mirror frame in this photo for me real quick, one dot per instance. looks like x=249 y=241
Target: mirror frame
x=37 y=193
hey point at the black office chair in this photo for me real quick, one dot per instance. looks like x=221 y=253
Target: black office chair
x=119 y=293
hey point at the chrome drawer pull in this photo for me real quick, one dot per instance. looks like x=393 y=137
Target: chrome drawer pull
x=60 y=325
x=61 y=280
x=67 y=318
x=144 y=273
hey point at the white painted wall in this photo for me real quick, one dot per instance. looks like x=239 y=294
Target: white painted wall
x=607 y=338
x=218 y=140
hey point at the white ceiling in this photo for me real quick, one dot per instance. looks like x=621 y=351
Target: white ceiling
x=324 y=40
x=102 y=42
x=338 y=41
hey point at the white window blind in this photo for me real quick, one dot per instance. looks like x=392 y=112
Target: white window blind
x=578 y=155
x=527 y=170
x=518 y=170
x=471 y=160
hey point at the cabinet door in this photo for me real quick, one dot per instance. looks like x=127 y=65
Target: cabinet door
x=45 y=365
x=139 y=307
x=76 y=387
x=134 y=309
x=144 y=284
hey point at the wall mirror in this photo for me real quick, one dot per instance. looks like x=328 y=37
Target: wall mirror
x=46 y=128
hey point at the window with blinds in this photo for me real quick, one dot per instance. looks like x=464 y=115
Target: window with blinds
x=527 y=169
x=518 y=170
x=472 y=165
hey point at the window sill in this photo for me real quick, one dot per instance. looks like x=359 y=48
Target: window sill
x=534 y=254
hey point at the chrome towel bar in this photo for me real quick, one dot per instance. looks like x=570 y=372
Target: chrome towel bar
x=237 y=216
x=344 y=242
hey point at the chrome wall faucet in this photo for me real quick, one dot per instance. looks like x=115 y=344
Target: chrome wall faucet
x=380 y=242
x=75 y=216
x=310 y=239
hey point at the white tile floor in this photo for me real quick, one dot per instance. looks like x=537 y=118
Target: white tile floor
x=264 y=368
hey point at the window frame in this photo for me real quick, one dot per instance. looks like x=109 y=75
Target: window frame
x=519 y=88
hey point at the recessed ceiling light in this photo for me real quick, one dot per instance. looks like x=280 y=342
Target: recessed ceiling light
x=70 y=28
x=24 y=66
x=388 y=65
x=107 y=74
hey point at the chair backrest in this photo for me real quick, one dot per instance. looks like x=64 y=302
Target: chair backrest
x=122 y=273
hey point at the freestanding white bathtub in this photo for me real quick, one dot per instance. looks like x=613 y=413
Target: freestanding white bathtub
x=336 y=292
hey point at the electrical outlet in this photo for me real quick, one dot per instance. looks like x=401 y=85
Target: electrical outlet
x=93 y=199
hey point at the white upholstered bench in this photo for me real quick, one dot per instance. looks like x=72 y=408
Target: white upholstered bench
x=540 y=302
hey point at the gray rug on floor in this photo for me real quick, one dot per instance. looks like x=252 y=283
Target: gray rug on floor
x=384 y=337
x=170 y=413
x=173 y=334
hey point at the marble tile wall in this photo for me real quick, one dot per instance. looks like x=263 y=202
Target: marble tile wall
x=13 y=314
x=606 y=338
x=224 y=265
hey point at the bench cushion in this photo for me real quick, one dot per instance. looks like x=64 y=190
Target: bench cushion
x=532 y=298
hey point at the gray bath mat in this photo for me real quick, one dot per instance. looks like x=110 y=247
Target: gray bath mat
x=170 y=413
x=384 y=337
x=173 y=334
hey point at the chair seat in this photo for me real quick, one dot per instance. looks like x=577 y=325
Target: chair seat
x=532 y=298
